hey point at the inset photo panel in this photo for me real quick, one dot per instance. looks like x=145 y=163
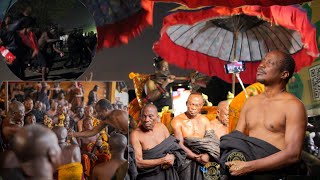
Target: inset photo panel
x=87 y=121
x=47 y=40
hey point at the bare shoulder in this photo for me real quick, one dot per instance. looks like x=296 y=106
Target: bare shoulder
x=178 y=119
x=74 y=148
x=150 y=83
x=293 y=103
x=252 y=101
x=118 y=113
x=97 y=169
x=204 y=119
x=162 y=127
x=135 y=133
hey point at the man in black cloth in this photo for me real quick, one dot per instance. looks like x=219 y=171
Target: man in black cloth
x=158 y=155
x=198 y=140
x=271 y=128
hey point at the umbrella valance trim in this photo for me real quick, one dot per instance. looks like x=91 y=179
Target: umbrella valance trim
x=231 y=3
x=120 y=32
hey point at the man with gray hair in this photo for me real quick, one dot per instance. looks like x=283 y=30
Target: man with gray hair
x=158 y=155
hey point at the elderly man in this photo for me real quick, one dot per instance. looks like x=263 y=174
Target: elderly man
x=13 y=121
x=197 y=139
x=155 y=150
x=220 y=124
x=35 y=162
x=271 y=128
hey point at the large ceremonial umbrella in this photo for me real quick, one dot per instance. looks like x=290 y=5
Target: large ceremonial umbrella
x=232 y=3
x=207 y=39
x=119 y=21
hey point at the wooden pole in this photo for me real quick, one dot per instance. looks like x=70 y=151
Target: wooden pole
x=235 y=38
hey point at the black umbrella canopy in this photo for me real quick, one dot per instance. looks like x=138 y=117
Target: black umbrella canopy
x=238 y=37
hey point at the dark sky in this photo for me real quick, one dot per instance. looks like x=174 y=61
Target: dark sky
x=67 y=14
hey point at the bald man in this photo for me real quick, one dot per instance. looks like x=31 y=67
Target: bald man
x=156 y=152
x=117 y=166
x=197 y=139
x=271 y=128
x=13 y=121
x=38 y=151
x=220 y=124
x=71 y=157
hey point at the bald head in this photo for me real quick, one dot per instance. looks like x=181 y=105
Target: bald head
x=196 y=95
x=194 y=104
x=35 y=141
x=151 y=107
x=117 y=142
x=223 y=112
x=16 y=113
x=61 y=133
x=223 y=104
x=15 y=106
x=104 y=104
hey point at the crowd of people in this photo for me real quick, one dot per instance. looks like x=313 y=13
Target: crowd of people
x=60 y=130
x=267 y=142
x=37 y=48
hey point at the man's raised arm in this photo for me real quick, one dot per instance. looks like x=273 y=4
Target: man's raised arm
x=89 y=133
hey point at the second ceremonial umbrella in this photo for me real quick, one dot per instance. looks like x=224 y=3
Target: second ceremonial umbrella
x=207 y=39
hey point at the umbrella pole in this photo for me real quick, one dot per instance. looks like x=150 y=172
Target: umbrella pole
x=233 y=83
x=235 y=35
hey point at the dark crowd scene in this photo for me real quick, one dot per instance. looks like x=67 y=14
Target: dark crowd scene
x=63 y=130
x=43 y=49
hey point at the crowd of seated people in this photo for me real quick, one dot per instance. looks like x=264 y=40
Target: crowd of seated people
x=48 y=107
